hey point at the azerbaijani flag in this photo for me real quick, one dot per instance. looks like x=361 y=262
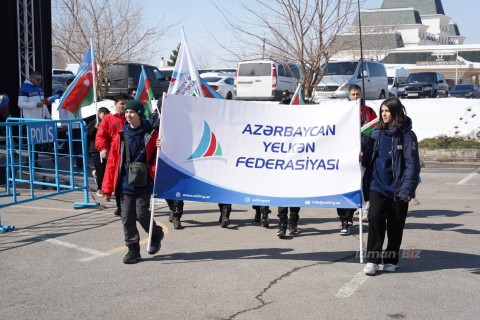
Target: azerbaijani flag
x=185 y=79
x=367 y=128
x=297 y=97
x=81 y=92
x=145 y=94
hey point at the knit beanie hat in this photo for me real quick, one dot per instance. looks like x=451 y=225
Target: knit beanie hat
x=136 y=106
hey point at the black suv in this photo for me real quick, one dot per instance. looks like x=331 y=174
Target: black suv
x=124 y=76
x=424 y=85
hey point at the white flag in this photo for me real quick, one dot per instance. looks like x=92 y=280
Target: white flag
x=185 y=80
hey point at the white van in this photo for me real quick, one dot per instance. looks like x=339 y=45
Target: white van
x=340 y=75
x=396 y=76
x=265 y=79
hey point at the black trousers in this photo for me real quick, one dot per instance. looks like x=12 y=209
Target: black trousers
x=176 y=206
x=262 y=209
x=136 y=208
x=99 y=168
x=345 y=214
x=283 y=214
x=387 y=215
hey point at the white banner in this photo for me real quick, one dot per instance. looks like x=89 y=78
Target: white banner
x=257 y=153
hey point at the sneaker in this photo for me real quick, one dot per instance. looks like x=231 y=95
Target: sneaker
x=156 y=243
x=346 y=225
x=176 y=223
x=370 y=269
x=292 y=229
x=133 y=254
x=99 y=193
x=282 y=231
x=388 y=267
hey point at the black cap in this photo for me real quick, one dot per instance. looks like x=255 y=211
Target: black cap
x=136 y=106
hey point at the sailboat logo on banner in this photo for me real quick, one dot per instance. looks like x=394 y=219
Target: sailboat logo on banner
x=208 y=146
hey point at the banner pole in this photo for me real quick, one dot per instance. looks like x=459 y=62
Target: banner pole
x=360 y=226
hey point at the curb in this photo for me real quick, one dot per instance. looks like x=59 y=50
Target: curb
x=450 y=155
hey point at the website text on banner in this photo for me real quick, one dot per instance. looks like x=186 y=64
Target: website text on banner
x=254 y=153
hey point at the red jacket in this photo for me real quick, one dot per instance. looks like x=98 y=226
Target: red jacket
x=115 y=163
x=109 y=127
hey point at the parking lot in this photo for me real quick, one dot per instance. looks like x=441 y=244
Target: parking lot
x=62 y=263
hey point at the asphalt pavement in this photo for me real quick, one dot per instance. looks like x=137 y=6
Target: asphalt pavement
x=62 y=263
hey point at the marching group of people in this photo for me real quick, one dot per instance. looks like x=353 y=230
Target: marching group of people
x=124 y=145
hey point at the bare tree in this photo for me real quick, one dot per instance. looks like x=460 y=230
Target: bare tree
x=291 y=30
x=116 y=28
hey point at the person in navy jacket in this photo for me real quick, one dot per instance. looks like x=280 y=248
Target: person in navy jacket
x=392 y=170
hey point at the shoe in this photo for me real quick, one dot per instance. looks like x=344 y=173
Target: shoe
x=370 y=269
x=156 y=243
x=292 y=228
x=346 y=225
x=388 y=267
x=99 y=193
x=133 y=254
x=176 y=223
x=282 y=231
x=170 y=217
x=225 y=222
x=116 y=213
x=264 y=220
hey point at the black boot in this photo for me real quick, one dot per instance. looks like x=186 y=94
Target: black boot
x=226 y=209
x=264 y=220
x=282 y=229
x=176 y=215
x=156 y=242
x=133 y=254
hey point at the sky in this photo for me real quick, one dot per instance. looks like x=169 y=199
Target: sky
x=204 y=25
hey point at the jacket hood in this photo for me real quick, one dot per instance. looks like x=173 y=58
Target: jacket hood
x=407 y=126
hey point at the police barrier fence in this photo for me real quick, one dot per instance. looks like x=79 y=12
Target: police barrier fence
x=43 y=158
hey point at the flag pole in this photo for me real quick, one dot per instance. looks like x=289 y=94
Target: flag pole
x=152 y=201
x=94 y=75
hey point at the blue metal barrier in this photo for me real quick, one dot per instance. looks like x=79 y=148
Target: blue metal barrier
x=36 y=157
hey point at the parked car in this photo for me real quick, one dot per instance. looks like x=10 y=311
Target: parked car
x=121 y=77
x=59 y=82
x=340 y=75
x=265 y=79
x=466 y=90
x=396 y=76
x=424 y=85
x=62 y=71
x=231 y=70
x=222 y=82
